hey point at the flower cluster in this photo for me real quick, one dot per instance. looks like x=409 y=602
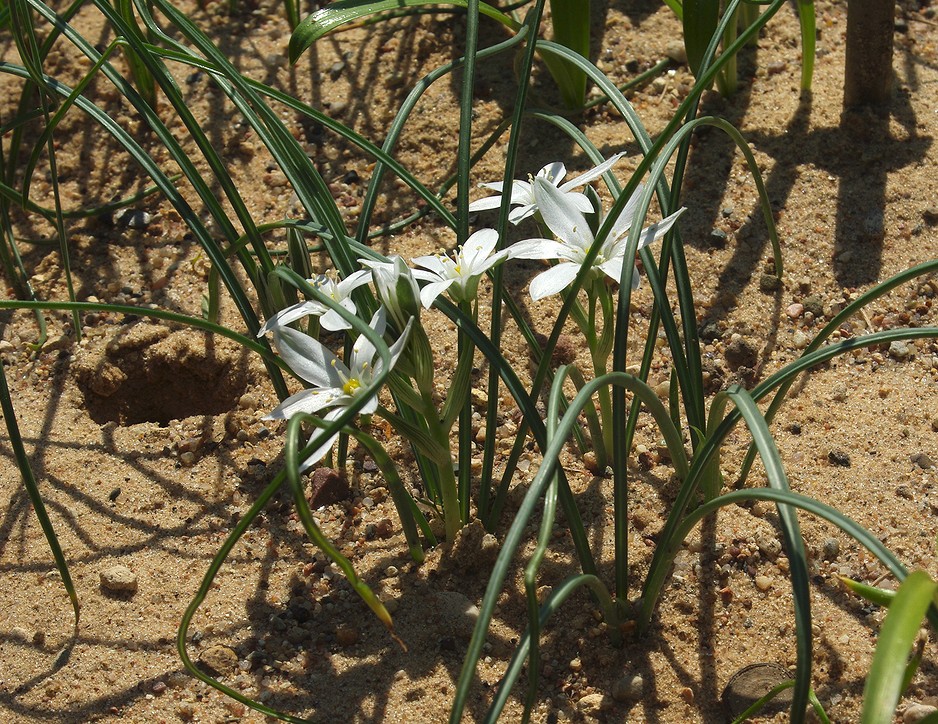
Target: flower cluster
x=336 y=385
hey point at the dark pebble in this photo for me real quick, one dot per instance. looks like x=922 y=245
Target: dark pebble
x=740 y=353
x=717 y=239
x=839 y=458
x=328 y=487
x=769 y=283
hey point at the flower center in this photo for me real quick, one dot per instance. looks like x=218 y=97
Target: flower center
x=351 y=385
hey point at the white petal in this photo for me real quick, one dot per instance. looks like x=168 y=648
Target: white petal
x=656 y=231
x=562 y=216
x=478 y=247
x=624 y=221
x=593 y=173
x=308 y=358
x=304 y=402
x=553 y=172
x=537 y=249
x=433 y=263
x=613 y=268
x=553 y=280
x=582 y=202
x=333 y=321
x=431 y=291
x=353 y=281
x=516 y=216
x=290 y=314
x=488 y=202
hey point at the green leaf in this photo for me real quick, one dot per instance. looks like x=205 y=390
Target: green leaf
x=324 y=21
x=887 y=673
x=700 y=23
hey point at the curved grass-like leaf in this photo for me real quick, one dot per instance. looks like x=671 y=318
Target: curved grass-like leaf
x=327 y=19
x=550 y=465
x=699 y=18
x=886 y=679
x=35 y=497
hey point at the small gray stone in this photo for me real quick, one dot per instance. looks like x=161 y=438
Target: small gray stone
x=118 y=579
x=630 y=687
x=676 y=51
x=922 y=460
x=899 y=350
x=839 y=458
x=916 y=712
x=830 y=549
x=814 y=304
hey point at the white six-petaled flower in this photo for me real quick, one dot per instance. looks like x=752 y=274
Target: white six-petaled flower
x=330 y=319
x=459 y=273
x=574 y=239
x=335 y=384
x=522 y=192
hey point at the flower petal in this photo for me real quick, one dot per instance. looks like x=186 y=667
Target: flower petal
x=553 y=172
x=553 y=280
x=537 y=249
x=305 y=402
x=308 y=358
x=659 y=229
x=561 y=215
x=593 y=173
x=290 y=314
x=432 y=290
x=487 y=202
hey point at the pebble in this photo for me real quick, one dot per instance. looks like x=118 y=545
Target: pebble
x=839 y=458
x=134 y=218
x=592 y=705
x=630 y=687
x=247 y=401
x=676 y=51
x=118 y=579
x=347 y=635
x=221 y=660
x=922 y=460
x=776 y=67
x=900 y=350
x=814 y=304
x=740 y=353
x=917 y=712
x=830 y=549
x=328 y=487
x=717 y=238
x=769 y=283
x=799 y=339
x=763 y=583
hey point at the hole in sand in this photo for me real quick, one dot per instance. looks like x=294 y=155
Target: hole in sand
x=149 y=373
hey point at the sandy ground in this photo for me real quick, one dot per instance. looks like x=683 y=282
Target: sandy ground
x=149 y=445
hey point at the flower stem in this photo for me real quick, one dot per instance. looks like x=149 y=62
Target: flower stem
x=452 y=520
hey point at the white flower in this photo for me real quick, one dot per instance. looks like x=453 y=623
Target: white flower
x=335 y=384
x=330 y=319
x=522 y=192
x=396 y=287
x=575 y=239
x=459 y=273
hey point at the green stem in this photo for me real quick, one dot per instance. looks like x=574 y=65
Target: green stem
x=447 y=478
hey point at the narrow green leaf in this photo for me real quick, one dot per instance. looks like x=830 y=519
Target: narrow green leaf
x=700 y=23
x=324 y=21
x=884 y=682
